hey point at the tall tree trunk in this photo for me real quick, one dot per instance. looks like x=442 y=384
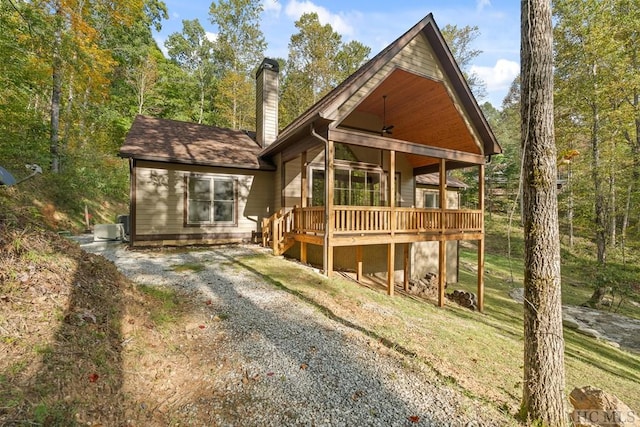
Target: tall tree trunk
x=612 y=206
x=56 y=91
x=625 y=221
x=570 y=206
x=600 y=224
x=543 y=394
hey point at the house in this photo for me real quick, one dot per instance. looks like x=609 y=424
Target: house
x=337 y=187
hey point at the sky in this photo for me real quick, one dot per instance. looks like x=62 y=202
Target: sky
x=377 y=23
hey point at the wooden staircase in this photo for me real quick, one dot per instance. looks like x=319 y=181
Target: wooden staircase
x=277 y=230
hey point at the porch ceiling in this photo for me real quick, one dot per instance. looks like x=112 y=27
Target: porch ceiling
x=421 y=111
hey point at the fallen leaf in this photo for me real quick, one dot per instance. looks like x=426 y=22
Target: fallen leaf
x=270 y=374
x=414 y=418
x=201 y=326
x=304 y=366
x=93 y=377
x=208 y=302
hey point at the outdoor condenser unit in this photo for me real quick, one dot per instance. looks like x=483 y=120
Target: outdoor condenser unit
x=108 y=232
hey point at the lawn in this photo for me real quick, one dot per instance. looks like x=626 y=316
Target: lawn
x=481 y=353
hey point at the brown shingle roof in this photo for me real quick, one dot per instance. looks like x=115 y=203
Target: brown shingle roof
x=189 y=143
x=433 y=179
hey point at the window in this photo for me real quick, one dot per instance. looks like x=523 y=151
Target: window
x=211 y=200
x=352 y=186
x=431 y=199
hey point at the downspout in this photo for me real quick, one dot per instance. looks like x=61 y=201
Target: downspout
x=325 y=252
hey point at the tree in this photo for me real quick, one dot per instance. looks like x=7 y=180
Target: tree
x=240 y=48
x=459 y=41
x=194 y=52
x=318 y=61
x=543 y=394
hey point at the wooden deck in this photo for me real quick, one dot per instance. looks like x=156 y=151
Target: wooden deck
x=363 y=225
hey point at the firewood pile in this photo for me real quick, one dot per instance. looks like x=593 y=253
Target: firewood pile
x=464 y=298
x=425 y=287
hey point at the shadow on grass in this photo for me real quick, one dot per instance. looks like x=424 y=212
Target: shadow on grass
x=607 y=358
x=79 y=372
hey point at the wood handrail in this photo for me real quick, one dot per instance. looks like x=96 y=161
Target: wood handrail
x=377 y=219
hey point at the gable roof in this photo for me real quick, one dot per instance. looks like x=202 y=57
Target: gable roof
x=174 y=141
x=320 y=112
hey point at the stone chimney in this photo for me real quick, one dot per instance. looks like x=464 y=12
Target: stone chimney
x=267 y=102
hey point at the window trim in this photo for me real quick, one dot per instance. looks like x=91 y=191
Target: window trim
x=212 y=222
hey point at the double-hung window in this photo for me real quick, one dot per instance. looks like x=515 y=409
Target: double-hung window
x=211 y=200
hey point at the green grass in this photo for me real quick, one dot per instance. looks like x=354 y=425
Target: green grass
x=165 y=311
x=481 y=353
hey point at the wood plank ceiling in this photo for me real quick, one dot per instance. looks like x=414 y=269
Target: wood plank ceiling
x=420 y=110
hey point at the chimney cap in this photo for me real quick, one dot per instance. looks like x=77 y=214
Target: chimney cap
x=269 y=64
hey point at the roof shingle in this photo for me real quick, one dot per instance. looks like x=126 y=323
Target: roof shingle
x=189 y=143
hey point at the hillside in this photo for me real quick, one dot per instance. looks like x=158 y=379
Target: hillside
x=81 y=344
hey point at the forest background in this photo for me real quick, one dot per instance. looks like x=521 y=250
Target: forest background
x=74 y=73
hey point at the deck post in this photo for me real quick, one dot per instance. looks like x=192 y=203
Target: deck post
x=442 y=194
x=359 y=263
x=303 y=203
x=481 y=241
x=391 y=254
x=391 y=251
x=328 y=208
x=442 y=271
x=406 y=266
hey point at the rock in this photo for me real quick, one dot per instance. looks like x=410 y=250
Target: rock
x=570 y=322
x=517 y=294
x=595 y=407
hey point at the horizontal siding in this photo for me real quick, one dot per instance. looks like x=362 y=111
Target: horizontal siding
x=160 y=200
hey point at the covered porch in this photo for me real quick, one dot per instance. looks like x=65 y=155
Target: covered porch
x=347 y=167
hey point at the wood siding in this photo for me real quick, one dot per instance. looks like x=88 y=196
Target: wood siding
x=160 y=202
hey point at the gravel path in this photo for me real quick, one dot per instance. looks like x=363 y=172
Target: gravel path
x=299 y=366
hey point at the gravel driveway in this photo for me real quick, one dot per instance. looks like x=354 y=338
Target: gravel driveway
x=299 y=366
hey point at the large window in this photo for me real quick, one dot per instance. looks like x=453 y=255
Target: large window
x=211 y=200
x=352 y=186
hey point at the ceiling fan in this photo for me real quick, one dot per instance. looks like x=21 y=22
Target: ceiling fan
x=386 y=129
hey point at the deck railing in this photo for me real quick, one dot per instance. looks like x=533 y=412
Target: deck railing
x=366 y=220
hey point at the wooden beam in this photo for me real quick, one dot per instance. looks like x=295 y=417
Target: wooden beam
x=442 y=193
x=372 y=239
x=303 y=252
x=481 y=241
x=391 y=254
x=329 y=177
x=386 y=143
x=392 y=190
x=442 y=271
x=359 y=263
x=406 y=266
x=481 y=275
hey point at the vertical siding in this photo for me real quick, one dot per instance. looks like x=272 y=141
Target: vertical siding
x=160 y=196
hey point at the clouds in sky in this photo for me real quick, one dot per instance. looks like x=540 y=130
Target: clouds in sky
x=339 y=22
x=376 y=25
x=499 y=77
